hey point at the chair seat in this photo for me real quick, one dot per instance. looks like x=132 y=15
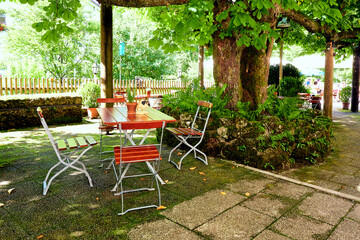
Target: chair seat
x=133 y=154
x=184 y=131
x=71 y=143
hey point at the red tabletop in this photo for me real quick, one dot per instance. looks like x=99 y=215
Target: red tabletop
x=119 y=116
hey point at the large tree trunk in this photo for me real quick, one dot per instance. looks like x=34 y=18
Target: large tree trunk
x=355 y=80
x=226 y=56
x=244 y=69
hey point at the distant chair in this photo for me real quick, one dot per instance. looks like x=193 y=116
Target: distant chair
x=67 y=153
x=184 y=134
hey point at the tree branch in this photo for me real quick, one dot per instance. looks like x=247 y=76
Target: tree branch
x=143 y=3
x=315 y=26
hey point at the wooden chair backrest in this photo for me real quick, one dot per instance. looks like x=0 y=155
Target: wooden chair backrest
x=205 y=104
x=110 y=100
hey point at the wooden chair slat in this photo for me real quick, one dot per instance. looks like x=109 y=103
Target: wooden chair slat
x=110 y=100
x=61 y=144
x=91 y=140
x=72 y=143
x=205 y=104
x=82 y=142
x=136 y=154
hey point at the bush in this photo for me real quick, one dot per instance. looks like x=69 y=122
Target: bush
x=288 y=71
x=90 y=92
x=345 y=94
x=291 y=86
x=277 y=135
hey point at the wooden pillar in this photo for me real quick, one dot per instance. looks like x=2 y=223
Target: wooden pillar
x=329 y=70
x=106 y=65
x=201 y=65
x=355 y=79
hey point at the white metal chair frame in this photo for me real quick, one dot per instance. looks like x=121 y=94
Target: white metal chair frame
x=124 y=165
x=184 y=134
x=66 y=158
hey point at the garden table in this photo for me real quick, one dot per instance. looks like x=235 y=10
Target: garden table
x=118 y=116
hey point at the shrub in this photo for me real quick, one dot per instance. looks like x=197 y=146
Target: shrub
x=345 y=94
x=290 y=87
x=89 y=92
x=288 y=71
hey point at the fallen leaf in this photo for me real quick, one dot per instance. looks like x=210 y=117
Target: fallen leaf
x=201 y=173
x=97 y=198
x=1 y=204
x=11 y=190
x=143 y=179
x=105 y=172
x=233 y=166
x=247 y=194
x=204 y=179
x=41 y=236
x=179 y=153
x=223 y=193
x=166 y=181
x=161 y=207
x=192 y=168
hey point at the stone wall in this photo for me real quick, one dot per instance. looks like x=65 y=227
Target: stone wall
x=21 y=112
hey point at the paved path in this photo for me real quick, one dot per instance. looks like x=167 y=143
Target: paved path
x=269 y=208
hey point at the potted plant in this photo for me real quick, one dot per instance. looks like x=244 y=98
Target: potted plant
x=90 y=92
x=131 y=104
x=345 y=95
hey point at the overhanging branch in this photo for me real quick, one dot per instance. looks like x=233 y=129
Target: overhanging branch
x=143 y=3
x=315 y=27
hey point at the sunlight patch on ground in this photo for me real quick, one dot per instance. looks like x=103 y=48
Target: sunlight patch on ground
x=358 y=188
x=77 y=234
x=3 y=183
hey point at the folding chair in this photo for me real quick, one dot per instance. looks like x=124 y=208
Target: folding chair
x=103 y=128
x=305 y=98
x=125 y=156
x=67 y=158
x=184 y=134
x=315 y=102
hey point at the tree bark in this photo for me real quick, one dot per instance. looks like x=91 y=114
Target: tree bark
x=226 y=57
x=329 y=69
x=106 y=66
x=355 y=80
x=201 y=65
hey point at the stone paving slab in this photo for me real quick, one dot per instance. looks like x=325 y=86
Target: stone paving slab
x=355 y=213
x=201 y=209
x=289 y=190
x=269 y=235
x=161 y=230
x=237 y=223
x=267 y=204
x=250 y=186
x=301 y=227
x=326 y=208
x=347 y=180
x=347 y=229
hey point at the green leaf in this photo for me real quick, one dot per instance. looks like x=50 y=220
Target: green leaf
x=237 y=21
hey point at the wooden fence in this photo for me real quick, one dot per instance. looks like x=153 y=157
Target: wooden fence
x=16 y=86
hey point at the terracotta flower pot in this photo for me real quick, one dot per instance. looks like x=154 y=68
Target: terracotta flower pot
x=131 y=107
x=346 y=105
x=92 y=113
